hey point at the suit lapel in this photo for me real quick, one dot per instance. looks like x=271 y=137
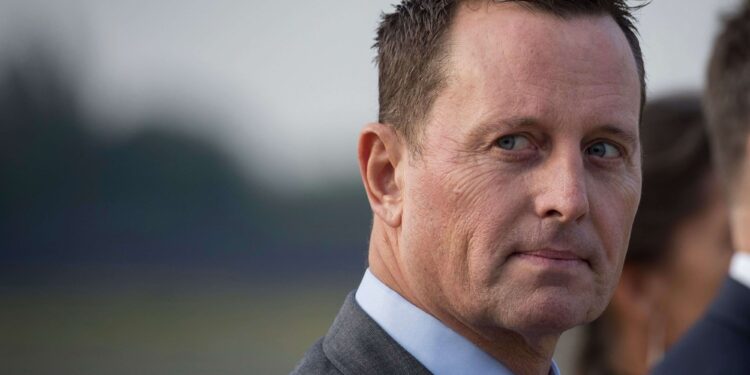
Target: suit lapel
x=356 y=344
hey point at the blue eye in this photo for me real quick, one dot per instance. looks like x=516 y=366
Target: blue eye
x=513 y=142
x=604 y=150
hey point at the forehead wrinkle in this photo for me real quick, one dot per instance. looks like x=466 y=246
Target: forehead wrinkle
x=573 y=77
x=522 y=70
x=537 y=55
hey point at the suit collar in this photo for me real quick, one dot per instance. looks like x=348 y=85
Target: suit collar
x=426 y=338
x=355 y=344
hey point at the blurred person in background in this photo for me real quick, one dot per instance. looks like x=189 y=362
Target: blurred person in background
x=504 y=176
x=679 y=249
x=720 y=342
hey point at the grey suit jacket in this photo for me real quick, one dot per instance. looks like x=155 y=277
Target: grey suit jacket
x=356 y=344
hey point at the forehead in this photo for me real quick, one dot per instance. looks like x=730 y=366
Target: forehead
x=505 y=56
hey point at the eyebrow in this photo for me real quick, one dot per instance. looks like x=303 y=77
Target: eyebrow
x=626 y=136
x=512 y=123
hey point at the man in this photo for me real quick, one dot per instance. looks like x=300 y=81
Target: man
x=504 y=176
x=720 y=342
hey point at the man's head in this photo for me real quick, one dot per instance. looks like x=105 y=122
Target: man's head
x=412 y=45
x=514 y=216
x=727 y=99
x=727 y=103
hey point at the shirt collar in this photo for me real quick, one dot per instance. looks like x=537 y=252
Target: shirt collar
x=739 y=268
x=423 y=336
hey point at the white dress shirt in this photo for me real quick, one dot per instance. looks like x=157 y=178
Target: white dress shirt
x=739 y=268
x=437 y=347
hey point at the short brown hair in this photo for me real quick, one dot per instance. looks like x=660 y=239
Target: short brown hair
x=727 y=98
x=411 y=47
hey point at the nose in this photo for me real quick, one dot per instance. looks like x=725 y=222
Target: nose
x=562 y=193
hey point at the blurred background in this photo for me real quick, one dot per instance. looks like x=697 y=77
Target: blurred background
x=178 y=184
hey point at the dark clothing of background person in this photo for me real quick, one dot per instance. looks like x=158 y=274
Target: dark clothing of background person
x=723 y=334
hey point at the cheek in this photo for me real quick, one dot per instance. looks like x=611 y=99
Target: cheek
x=491 y=205
x=485 y=204
x=428 y=207
x=457 y=194
x=613 y=208
x=458 y=214
x=614 y=203
x=613 y=228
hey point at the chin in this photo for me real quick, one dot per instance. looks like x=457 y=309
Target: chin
x=552 y=314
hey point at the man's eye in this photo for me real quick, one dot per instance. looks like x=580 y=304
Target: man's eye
x=513 y=142
x=604 y=150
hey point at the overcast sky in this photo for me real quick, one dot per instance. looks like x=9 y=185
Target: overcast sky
x=288 y=84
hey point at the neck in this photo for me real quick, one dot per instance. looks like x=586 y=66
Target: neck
x=740 y=210
x=523 y=354
x=629 y=353
x=740 y=221
x=740 y=216
x=383 y=261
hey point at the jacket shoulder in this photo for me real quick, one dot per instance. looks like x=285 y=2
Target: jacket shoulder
x=316 y=362
x=720 y=342
x=356 y=344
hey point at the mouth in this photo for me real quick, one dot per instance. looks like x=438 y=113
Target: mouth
x=552 y=258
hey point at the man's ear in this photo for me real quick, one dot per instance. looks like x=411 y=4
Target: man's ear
x=380 y=155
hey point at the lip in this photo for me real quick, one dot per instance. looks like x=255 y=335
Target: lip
x=552 y=257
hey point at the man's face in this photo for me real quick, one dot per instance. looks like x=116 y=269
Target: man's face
x=518 y=211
